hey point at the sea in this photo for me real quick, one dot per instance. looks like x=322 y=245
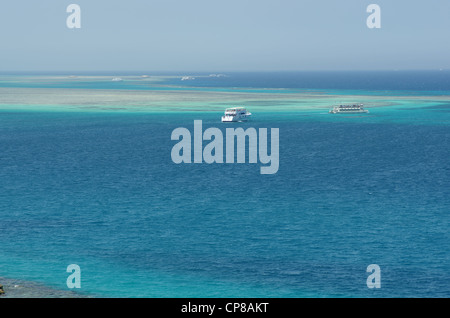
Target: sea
x=97 y=187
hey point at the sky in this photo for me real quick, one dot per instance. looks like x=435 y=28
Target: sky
x=224 y=35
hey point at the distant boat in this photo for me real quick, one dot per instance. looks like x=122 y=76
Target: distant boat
x=117 y=79
x=349 y=109
x=187 y=78
x=235 y=114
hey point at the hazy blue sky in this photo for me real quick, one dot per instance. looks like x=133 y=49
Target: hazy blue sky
x=223 y=35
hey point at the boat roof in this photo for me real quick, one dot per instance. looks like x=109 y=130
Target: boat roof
x=235 y=108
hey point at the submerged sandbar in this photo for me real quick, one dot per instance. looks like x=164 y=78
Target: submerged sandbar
x=64 y=99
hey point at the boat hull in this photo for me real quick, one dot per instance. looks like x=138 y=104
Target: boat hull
x=229 y=119
x=349 y=112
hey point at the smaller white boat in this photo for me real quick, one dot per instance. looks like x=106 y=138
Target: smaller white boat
x=117 y=79
x=236 y=114
x=187 y=78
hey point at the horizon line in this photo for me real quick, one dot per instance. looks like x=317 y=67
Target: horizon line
x=145 y=72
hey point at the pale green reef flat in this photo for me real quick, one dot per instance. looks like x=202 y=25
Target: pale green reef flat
x=63 y=99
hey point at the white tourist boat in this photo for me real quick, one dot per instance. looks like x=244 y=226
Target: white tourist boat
x=236 y=114
x=349 y=109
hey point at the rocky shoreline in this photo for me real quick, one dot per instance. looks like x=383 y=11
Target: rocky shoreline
x=14 y=288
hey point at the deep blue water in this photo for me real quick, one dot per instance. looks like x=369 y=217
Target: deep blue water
x=338 y=80
x=101 y=190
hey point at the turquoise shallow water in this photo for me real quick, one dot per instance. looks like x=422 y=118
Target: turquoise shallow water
x=99 y=189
